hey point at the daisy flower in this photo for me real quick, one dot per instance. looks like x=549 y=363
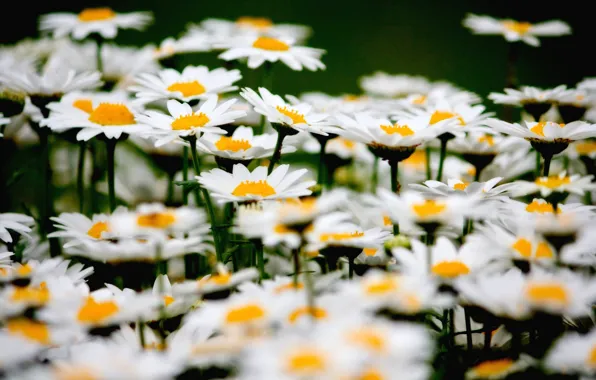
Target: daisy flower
x=110 y=116
x=16 y=350
x=302 y=211
x=182 y=122
x=545 y=131
x=573 y=353
x=220 y=280
x=486 y=143
x=242 y=145
x=242 y=185
x=393 y=86
x=103 y=21
x=528 y=95
x=295 y=118
x=193 y=83
x=516 y=30
x=173 y=302
x=582 y=148
x=261 y=49
x=562 y=183
x=341 y=147
x=196 y=41
x=486 y=189
x=258 y=221
x=18 y=223
x=498 y=368
x=255 y=26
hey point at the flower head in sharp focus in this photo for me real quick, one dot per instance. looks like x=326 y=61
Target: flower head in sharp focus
x=15 y=223
x=527 y=96
x=108 y=115
x=243 y=185
x=297 y=117
x=181 y=121
x=545 y=131
x=514 y=31
x=573 y=353
x=103 y=21
x=562 y=183
x=242 y=145
x=194 y=82
x=257 y=26
x=261 y=49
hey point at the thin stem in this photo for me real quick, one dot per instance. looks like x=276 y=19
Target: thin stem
x=111 y=150
x=161 y=272
x=442 y=158
x=277 y=153
x=429 y=252
x=511 y=79
x=395 y=187
x=185 y=173
x=538 y=164
x=98 y=59
x=81 y=175
x=452 y=327
x=141 y=326
x=296 y=257
x=477 y=175
x=260 y=258
x=468 y=330
x=487 y=336
x=547 y=159
x=350 y=267
x=310 y=293
x=427 y=162
x=322 y=168
x=267 y=81
x=46 y=176
x=95 y=174
x=170 y=195
x=374 y=181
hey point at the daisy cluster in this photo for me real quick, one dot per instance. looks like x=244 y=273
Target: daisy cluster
x=187 y=226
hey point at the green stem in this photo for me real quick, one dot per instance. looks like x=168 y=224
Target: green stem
x=98 y=59
x=277 y=153
x=185 y=173
x=395 y=187
x=161 y=271
x=296 y=257
x=268 y=76
x=538 y=160
x=452 y=327
x=547 y=159
x=260 y=258
x=477 y=175
x=321 y=169
x=442 y=158
x=46 y=207
x=468 y=330
x=427 y=163
x=429 y=252
x=81 y=176
x=111 y=150
x=170 y=195
x=141 y=326
x=487 y=336
x=588 y=197
x=350 y=267
x=374 y=181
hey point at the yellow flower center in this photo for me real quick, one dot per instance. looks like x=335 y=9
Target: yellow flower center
x=95 y=312
x=112 y=114
x=31 y=295
x=517 y=27
x=387 y=221
x=416 y=160
x=282 y=229
x=349 y=145
x=429 y=208
x=450 y=269
x=217 y=279
x=228 y=143
x=261 y=188
x=156 y=220
x=419 y=100
x=24 y=270
x=306 y=362
x=539 y=128
x=380 y=286
x=491 y=368
x=254 y=22
x=297 y=117
x=315 y=312
x=543 y=251
x=438 y=116
x=96 y=14
x=245 y=314
x=155 y=346
x=586 y=147
x=403 y=130
x=461 y=186
x=547 y=293
x=488 y=139
x=84 y=105
x=191 y=88
x=271 y=44
x=167 y=300
x=29 y=329
x=97 y=229
x=74 y=373
x=553 y=182
x=341 y=236
x=371 y=374
x=540 y=207
x=186 y=122
x=592 y=357
x=523 y=247
x=289 y=286
x=370 y=251
x=368 y=338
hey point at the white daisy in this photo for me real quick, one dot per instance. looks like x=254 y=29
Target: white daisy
x=19 y=223
x=52 y=82
x=243 y=185
x=103 y=21
x=585 y=148
x=392 y=86
x=528 y=95
x=498 y=368
x=196 y=42
x=545 y=131
x=341 y=147
x=300 y=117
x=562 y=183
x=219 y=281
x=486 y=189
x=194 y=82
x=573 y=353
x=255 y=26
x=259 y=50
x=181 y=121
x=516 y=30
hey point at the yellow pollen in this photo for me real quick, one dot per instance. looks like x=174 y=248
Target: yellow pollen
x=97 y=229
x=381 y=286
x=461 y=186
x=282 y=229
x=186 y=122
x=297 y=117
x=540 y=207
x=156 y=220
x=371 y=374
x=553 y=182
x=419 y=100
x=412 y=302
x=315 y=312
x=402 y=130
x=31 y=330
x=289 y=286
x=543 y=251
x=245 y=314
x=586 y=147
x=168 y=300
x=491 y=368
x=387 y=221
x=96 y=14
x=523 y=247
x=254 y=22
x=351 y=98
x=438 y=116
x=217 y=279
x=370 y=251
x=543 y=293
x=31 y=295
x=488 y=139
x=306 y=363
x=96 y=312
x=450 y=269
x=84 y=105
x=73 y=373
x=350 y=145
x=261 y=188
x=341 y=236
x=228 y=143
x=592 y=357
x=539 y=128
x=191 y=88
x=517 y=27
x=416 y=160
x=24 y=270
x=271 y=44
x=429 y=208
x=112 y=114
x=3 y=271
x=368 y=338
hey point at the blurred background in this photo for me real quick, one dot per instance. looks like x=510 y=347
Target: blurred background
x=420 y=38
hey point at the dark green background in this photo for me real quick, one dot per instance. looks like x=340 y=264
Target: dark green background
x=422 y=37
